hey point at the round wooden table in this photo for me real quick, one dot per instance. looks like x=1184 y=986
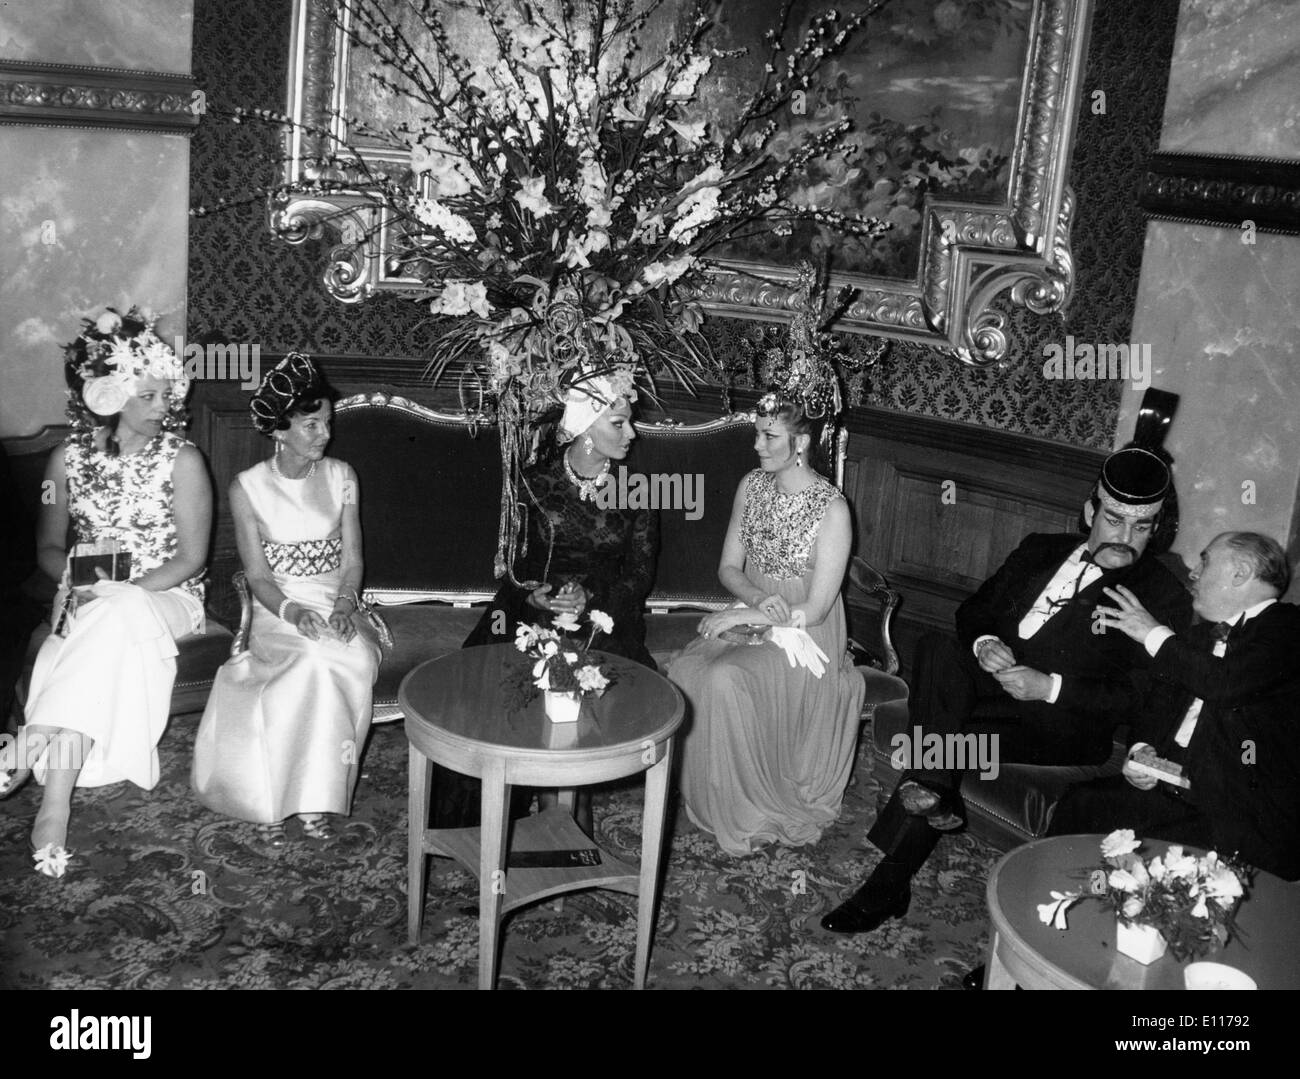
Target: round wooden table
x=456 y=715
x=1028 y=953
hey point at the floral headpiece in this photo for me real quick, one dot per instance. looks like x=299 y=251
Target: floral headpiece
x=104 y=364
x=293 y=379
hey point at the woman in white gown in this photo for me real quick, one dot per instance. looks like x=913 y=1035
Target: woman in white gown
x=101 y=686
x=287 y=719
x=770 y=743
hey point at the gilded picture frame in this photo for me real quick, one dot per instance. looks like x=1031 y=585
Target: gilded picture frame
x=971 y=253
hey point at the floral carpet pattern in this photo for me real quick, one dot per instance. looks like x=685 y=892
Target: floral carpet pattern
x=163 y=894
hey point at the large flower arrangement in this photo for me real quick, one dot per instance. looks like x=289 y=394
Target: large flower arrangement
x=1191 y=901
x=568 y=159
x=565 y=188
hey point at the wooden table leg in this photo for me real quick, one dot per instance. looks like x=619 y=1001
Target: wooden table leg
x=419 y=790
x=996 y=975
x=652 y=838
x=492 y=867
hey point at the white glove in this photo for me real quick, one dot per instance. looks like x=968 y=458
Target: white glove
x=813 y=657
x=800 y=649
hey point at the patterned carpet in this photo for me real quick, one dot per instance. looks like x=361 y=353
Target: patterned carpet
x=164 y=894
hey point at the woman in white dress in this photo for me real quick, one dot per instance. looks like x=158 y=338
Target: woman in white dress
x=102 y=682
x=772 y=731
x=287 y=719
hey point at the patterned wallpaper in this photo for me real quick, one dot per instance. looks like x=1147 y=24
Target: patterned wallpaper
x=250 y=287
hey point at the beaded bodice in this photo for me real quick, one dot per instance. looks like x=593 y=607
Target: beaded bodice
x=779 y=530
x=128 y=498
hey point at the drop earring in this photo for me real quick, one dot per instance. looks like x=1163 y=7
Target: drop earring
x=587 y=445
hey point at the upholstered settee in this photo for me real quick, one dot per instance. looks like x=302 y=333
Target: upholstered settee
x=430 y=489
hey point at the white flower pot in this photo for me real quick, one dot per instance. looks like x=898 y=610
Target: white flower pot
x=1141 y=942
x=562 y=707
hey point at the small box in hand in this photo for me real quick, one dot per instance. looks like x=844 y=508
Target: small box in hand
x=108 y=555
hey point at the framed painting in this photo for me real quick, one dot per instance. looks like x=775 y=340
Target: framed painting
x=964 y=117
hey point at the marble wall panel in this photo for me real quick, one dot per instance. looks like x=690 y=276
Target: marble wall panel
x=146 y=35
x=87 y=219
x=1222 y=316
x=1236 y=79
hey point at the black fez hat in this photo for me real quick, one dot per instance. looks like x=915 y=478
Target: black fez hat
x=1134 y=481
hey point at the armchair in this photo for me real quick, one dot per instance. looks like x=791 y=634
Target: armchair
x=880 y=672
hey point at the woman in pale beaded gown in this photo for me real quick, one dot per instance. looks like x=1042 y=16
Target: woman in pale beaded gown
x=287 y=719
x=101 y=686
x=769 y=748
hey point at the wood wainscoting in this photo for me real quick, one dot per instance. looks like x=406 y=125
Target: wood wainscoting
x=939 y=505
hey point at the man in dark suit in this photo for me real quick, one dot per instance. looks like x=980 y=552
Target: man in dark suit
x=1031 y=668
x=1224 y=712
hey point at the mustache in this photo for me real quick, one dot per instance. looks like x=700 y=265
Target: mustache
x=1116 y=547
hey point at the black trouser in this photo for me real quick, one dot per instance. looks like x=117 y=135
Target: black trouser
x=1102 y=805
x=953 y=696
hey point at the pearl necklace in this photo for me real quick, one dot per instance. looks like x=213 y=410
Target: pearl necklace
x=280 y=475
x=587 y=488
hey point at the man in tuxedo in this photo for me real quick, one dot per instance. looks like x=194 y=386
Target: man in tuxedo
x=1032 y=666
x=1224 y=712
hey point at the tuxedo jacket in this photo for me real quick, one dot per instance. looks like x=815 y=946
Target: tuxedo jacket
x=1104 y=676
x=1243 y=760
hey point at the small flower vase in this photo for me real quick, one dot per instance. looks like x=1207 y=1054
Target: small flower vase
x=561 y=707
x=1141 y=942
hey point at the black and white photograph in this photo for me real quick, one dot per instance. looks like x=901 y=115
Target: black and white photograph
x=650 y=494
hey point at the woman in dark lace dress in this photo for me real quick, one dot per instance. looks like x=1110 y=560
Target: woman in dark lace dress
x=583 y=553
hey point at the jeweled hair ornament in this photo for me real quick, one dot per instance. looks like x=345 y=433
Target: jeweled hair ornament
x=807 y=369
x=290 y=381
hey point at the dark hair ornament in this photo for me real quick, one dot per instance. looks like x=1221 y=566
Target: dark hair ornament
x=289 y=383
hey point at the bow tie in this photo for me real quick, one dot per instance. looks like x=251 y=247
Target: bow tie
x=1220 y=630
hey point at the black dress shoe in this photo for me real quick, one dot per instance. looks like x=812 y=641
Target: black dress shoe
x=859 y=914
x=974 y=979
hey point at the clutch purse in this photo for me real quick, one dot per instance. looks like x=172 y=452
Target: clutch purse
x=107 y=555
